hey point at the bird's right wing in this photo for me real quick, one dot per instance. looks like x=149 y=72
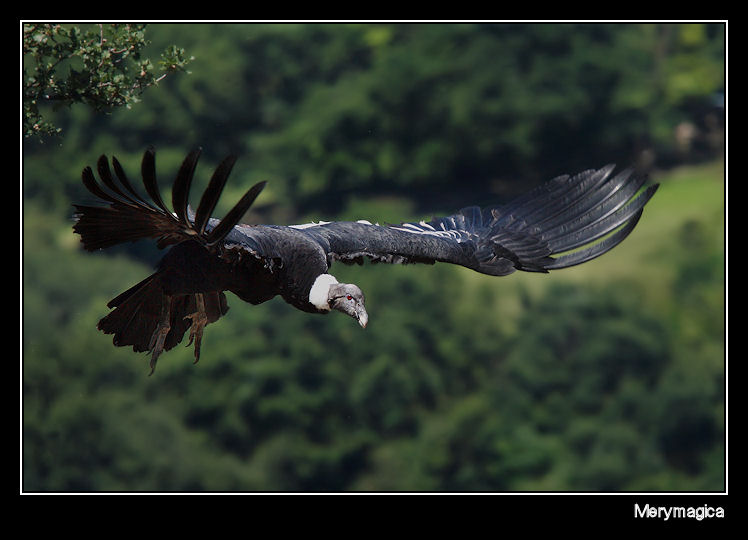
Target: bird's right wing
x=129 y=217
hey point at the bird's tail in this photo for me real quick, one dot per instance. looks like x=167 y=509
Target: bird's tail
x=144 y=312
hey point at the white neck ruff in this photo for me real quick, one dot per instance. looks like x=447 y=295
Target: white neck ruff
x=319 y=292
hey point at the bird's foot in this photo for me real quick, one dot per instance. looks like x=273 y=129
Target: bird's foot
x=156 y=346
x=199 y=321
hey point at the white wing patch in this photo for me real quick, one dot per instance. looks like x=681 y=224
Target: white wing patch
x=450 y=230
x=308 y=225
x=317 y=224
x=426 y=228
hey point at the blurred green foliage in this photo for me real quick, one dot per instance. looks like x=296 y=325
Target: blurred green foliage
x=608 y=376
x=100 y=67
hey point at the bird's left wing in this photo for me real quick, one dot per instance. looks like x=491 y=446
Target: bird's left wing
x=351 y=242
x=566 y=221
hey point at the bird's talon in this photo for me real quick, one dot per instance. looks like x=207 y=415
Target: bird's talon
x=199 y=321
x=156 y=346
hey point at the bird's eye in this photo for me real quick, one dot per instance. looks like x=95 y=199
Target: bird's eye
x=349 y=297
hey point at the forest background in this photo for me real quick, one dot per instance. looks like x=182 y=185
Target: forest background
x=609 y=376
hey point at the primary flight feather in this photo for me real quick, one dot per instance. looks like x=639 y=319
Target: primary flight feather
x=564 y=222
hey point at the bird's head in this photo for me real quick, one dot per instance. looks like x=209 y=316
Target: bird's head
x=349 y=299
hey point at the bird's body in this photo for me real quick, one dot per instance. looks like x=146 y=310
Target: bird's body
x=564 y=222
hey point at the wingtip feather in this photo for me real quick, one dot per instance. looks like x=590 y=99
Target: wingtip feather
x=235 y=214
x=181 y=189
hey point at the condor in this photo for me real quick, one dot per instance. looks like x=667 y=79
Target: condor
x=565 y=222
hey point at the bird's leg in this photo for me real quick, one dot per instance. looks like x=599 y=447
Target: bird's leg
x=163 y=327
x=199 y=320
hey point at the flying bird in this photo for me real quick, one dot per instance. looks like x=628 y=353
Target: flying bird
x=564 y=222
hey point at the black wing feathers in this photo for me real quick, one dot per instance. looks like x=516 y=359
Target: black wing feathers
x=573 y=212
x=595 y=223
x=104 y=172
x=148 y=170
x=531 y=233
x=584 y=255
x=180 y=192
x=90 y=182
x=211 y=195
x=106 y=177
x=235 y=214
x=130 y=217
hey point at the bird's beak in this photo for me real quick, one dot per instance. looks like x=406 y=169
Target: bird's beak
x=361 y=316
